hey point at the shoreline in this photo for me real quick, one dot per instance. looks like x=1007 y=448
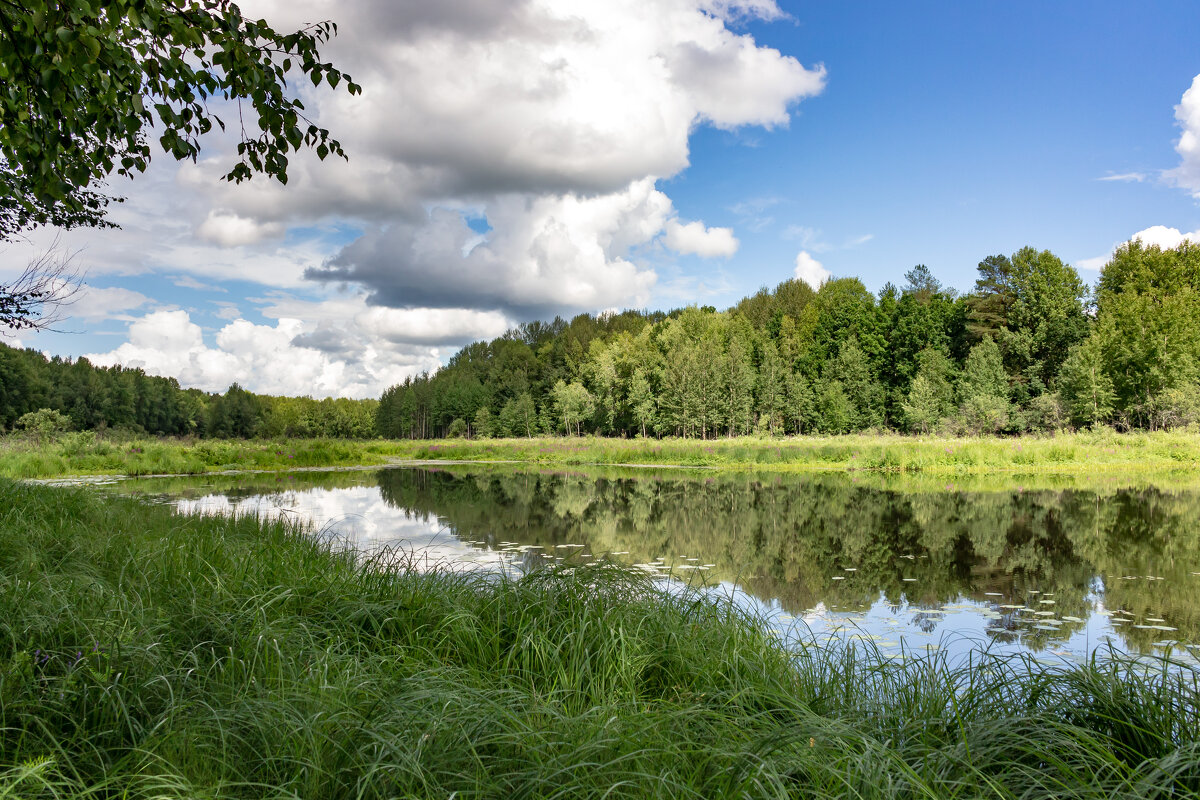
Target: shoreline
x=1085 y=453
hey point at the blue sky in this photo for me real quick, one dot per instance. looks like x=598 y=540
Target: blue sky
x=519 y=159
x=950 y=131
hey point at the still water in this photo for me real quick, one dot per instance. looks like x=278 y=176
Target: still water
x=1050 y=566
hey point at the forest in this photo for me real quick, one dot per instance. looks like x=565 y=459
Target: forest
x=1031 y=348
x=45 y=395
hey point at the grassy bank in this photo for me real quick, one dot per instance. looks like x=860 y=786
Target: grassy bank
x=1085 y=452
x=144 y=654
x=90 y=454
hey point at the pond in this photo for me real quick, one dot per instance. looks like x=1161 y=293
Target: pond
x=1057 y=567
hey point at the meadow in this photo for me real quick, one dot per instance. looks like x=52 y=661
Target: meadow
x=1086 y=452
x=146 y=654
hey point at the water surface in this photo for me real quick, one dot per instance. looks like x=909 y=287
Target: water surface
x=1058 y=567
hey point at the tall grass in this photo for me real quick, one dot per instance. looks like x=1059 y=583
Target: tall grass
x=87 y=453
x=1086 y=451
x=144 y=654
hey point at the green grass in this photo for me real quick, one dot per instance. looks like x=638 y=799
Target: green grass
x=87 y=453
x=144 y=654
x=1086 y=452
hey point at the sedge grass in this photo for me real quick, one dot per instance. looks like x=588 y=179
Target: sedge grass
x=146 y=654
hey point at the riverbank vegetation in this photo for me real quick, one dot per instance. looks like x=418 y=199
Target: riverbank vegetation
x=1030 y=349
x=89 y=453
x=146 y=654
x=1090 y=452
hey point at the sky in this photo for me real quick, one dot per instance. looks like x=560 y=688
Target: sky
x=512 y=160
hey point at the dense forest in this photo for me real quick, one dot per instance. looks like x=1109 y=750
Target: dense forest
x=38 y=393
x=1030 y=348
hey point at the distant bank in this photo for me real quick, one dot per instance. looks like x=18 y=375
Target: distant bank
x=90 y=454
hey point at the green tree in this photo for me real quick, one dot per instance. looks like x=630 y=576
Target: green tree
x=923 y=407
x=771 y=388
x=835 y=411
x=984 y=374
x=83 y=81
x=1046 y=320
x=237 y=414
x=643 y=401
x=1086 y=387
x=574 y=403
x=740 y=376
x=852 y=371
x=484 y=423
x=1148 y=324
x=983 y=389
x=799 y=402
x=994 y=296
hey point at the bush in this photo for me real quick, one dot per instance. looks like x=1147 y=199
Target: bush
x=984 y=413
x=1046 y=413
x=457 y=429
x=44 y=422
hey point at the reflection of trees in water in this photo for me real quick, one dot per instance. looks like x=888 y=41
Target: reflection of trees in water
x=785 y=537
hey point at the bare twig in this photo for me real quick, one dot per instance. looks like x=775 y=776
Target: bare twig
x=39 y=297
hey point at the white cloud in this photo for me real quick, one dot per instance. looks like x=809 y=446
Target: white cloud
x=188 y=282
x=1164 y=237
x=553 y=120
x=1187 y=115
x=226 y=310
x=92 y=304
x=1156 y=235
x=432 y=325
x=542 y=254
x=271 y=359
x=535 y=114
x=227 y=229
x=693 y=237
x=1125 y=177
x=733 y=10
x=811 y=271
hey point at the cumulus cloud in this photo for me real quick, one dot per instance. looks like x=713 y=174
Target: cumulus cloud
x=553 y=120
x=811 y=271
x=1187 y=115
x=542 y=254
x=230 y=230
x=543 y=95
x=272 y=359
x=694 y=238
x=1157 y=235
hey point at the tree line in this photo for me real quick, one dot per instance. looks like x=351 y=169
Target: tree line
x=1031 y=348
x=57 y=393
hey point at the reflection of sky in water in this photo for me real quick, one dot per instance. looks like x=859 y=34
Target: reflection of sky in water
x=360 y=518
x=364 y=521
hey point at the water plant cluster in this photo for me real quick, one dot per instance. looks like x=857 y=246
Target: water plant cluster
x=145 y=654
